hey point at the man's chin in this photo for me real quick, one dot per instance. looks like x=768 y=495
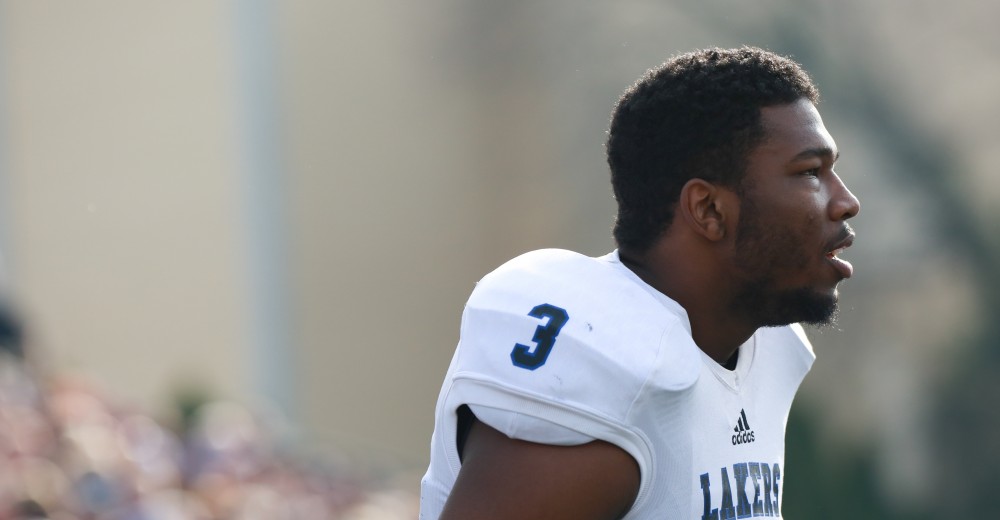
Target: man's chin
x=827 y=319
x=799 y=306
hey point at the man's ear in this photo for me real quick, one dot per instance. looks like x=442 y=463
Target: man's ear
x=707 y=208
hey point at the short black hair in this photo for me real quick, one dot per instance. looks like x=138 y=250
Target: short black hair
x=695 y=116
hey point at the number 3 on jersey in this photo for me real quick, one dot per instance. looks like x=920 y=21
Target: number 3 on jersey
x=544 y=338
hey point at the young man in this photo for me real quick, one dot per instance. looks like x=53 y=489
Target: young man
x=655 y=382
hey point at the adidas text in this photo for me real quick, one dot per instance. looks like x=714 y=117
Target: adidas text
x=742 y=438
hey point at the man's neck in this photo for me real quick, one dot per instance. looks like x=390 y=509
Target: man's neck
x=716 y=328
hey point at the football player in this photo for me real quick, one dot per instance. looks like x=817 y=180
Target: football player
x=655 y=381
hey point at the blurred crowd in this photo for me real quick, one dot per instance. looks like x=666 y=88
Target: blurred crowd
x=68 y=452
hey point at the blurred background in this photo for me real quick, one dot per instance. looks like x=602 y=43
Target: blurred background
x=237 y=237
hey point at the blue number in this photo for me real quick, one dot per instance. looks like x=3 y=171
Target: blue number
x=544 y=338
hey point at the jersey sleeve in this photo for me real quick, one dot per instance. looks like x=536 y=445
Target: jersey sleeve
x=517 y=425
x=565 y=346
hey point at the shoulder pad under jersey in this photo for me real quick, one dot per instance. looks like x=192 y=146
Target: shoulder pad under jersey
x=574 y=329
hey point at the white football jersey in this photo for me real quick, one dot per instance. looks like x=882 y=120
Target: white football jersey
x=561 y=348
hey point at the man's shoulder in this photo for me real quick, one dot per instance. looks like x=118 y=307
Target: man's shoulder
x=560 y=274
x=572 y=318
x=596 y=293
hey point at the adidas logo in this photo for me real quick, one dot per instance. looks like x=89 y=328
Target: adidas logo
x=742 y=434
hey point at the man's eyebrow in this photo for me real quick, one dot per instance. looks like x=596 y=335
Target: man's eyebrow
x=822 y=152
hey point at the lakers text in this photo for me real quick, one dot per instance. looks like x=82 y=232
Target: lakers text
x=733 y=501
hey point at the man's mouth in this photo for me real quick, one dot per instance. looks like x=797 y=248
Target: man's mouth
x=842 y=266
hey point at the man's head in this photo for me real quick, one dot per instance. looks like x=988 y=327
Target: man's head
x=696 y=116
x=724 y=175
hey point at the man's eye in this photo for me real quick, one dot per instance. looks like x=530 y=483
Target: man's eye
x=812 y=173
